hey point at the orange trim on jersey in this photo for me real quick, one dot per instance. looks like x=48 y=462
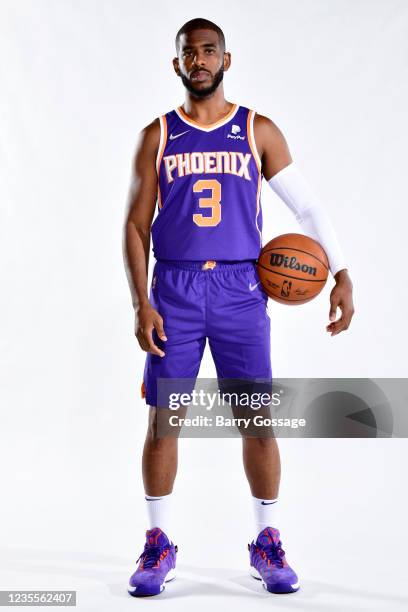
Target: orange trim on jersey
x=251 y=140
x=258 y=196
x=210 y=125
x=252 y=145
x=163 y=141
x=162 y=146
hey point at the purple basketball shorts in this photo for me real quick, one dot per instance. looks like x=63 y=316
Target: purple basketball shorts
x=197 y=300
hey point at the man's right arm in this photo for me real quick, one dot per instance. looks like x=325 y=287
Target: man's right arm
x=136 y=236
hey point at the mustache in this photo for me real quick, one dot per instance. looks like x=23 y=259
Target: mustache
x=199 y=70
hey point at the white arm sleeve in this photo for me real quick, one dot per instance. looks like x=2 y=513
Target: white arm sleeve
x=290 y=185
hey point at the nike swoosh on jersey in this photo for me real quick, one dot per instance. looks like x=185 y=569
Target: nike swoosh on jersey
x=252 y=287
x=174 y=136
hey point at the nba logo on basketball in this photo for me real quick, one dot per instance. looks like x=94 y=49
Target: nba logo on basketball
x=286 y=287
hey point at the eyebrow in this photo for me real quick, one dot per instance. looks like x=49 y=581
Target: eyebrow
x=207 y=45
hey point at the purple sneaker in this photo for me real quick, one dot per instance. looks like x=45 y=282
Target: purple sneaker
x=157 y=565
x=268 y=563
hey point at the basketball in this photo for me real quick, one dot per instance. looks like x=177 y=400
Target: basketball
x=293 y=268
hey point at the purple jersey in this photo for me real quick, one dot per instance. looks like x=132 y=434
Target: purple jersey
x=209 y=187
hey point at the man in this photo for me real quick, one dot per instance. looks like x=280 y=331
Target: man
x=203 y=164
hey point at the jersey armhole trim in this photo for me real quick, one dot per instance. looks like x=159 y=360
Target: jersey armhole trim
x=160 y=151
x=251 y=139
x=162 y=143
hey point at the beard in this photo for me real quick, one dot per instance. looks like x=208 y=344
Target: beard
x=206 y=91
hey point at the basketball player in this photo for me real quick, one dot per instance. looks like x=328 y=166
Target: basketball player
x=203 y=164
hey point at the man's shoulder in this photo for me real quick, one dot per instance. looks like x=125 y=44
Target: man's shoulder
x=266 y=129
x=150 y=134
x=149 y=139
x=152 y=128
x=264 y=122
x=155 y=126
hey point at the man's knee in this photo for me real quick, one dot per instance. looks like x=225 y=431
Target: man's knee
x=264 y=443
x=159 y=428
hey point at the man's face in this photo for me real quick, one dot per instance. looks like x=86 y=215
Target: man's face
x=201 y=62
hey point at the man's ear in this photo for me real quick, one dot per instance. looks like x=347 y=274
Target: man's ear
x=176 y=66
x=227 y=60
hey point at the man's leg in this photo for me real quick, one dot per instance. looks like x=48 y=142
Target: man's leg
x=179 y=296
x=159 y=461
x=262 y=466
x=159 y=467
x=240 y=345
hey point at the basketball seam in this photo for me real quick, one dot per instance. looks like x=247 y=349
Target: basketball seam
x=306 y=280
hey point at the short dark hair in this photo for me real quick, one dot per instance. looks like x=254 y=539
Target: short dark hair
x=200 y=24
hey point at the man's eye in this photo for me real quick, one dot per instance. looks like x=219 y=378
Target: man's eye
x=209 y=50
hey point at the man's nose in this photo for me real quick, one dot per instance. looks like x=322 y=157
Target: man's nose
x=199 y=59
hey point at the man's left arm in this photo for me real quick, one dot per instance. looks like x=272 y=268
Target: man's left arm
x=286 y=180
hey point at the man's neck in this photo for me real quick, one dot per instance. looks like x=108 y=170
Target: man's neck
x=207 y=110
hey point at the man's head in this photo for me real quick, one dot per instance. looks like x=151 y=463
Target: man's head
x=201 y=57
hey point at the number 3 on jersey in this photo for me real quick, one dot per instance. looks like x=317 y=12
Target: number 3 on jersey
x=214 y=202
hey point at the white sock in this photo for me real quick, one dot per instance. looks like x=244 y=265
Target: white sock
x=158 y=510
x=265 y=514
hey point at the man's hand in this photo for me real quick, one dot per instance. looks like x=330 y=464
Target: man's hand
x=341 y=297
x=147 y=319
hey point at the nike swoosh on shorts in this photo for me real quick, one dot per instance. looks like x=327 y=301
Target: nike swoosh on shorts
x=252 y=287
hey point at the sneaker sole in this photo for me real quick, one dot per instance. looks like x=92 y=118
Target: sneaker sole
x=279 y=588
x=135 y=591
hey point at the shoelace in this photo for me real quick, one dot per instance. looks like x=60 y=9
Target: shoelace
x=274 y=553
x=151 y=555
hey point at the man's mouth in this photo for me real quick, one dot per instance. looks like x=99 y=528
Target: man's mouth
x=199 y=75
